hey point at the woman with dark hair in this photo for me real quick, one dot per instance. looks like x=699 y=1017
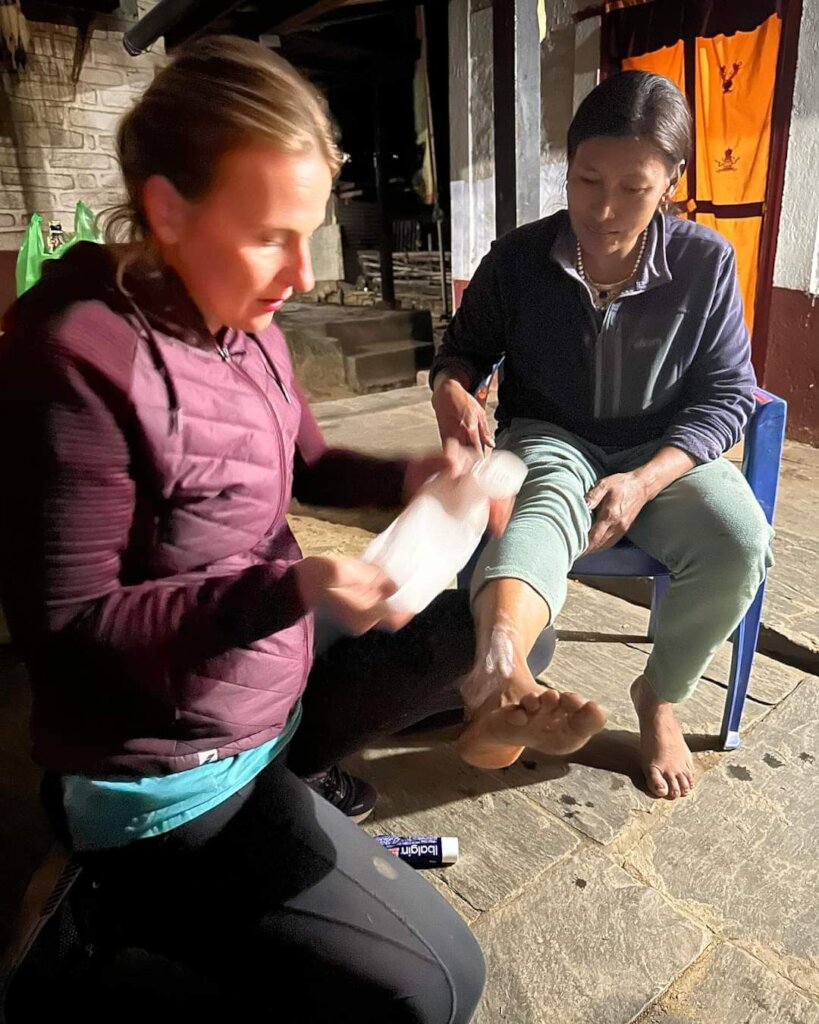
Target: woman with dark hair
x=627 y=374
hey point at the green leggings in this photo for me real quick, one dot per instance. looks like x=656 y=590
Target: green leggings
x=707 y=527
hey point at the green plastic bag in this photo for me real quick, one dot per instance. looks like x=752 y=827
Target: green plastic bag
x=35 y=251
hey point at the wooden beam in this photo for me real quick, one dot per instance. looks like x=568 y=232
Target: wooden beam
x=316 y=52
x=313 y=11
x=503 y=79
x=380 y=115
x=517 y=117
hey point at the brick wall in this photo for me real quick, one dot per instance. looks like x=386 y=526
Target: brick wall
x=57 y=135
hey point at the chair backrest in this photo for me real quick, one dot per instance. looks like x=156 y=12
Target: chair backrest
x=481 y=392
x=764 y=441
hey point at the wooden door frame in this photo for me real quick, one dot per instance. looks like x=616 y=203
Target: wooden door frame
x=780 y=135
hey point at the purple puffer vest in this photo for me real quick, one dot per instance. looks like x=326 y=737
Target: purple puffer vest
x=145 y=562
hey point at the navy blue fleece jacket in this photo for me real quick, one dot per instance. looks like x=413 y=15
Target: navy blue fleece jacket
x=669 y=361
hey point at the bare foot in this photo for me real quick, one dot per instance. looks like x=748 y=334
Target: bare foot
x=548 y=721
x=664 y=756
x=485 y=694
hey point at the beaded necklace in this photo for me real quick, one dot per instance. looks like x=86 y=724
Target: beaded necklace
x=604 y=294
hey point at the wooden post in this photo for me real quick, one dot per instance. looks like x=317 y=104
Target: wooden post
x=381 y=188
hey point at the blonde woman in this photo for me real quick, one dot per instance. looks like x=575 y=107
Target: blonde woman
x=155 y=435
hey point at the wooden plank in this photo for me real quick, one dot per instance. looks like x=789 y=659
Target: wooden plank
x=313 y=11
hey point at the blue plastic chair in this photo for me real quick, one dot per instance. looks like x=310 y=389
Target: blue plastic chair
x=764 y=440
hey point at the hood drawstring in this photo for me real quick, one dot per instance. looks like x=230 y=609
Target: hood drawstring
x=160 y=365
x=273 y=370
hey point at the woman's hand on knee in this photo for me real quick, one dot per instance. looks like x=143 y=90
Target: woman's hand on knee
x=615 y=502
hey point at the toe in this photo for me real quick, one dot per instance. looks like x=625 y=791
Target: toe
x=549 y=698
x=517 y=716
x=684 y=784
x=531 y=703
x=656 y=781
x=571 y=701
x=590 y=717
x=673 y=786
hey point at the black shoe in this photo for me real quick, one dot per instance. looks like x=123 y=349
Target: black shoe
x=352 y=796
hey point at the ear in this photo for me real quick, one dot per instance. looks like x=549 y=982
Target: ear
x=165 y=209
x=676 y=174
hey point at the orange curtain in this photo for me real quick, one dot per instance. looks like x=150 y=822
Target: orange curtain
x=668 y=61
x=734 y=87
x=744 y=234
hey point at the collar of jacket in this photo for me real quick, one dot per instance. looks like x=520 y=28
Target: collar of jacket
x=653 y=272
x=162 y=297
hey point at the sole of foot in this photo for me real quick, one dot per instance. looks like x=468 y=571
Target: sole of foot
x=553 y=723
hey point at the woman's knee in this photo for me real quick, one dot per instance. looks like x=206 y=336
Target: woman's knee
x=442 y=985
x=739 y=552
x=452 y=992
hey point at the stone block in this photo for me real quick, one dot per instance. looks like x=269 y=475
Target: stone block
x=49 y=138
x=741 y=853
x=106 y=77
x=326 y=254
x=585 y=944
x=100 y=120
x=36 y=179
x=83 y=161
x=505 y=841
x=727 y=986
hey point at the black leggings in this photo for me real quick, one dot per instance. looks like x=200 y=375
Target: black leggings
x=380 y=683
x=281 y=902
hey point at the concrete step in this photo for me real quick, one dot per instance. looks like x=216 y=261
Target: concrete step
x=387 y=364
x=377 y=326
x=318 y=361
x=338 y=349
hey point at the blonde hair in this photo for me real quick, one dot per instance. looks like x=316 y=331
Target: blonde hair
x=217 y=94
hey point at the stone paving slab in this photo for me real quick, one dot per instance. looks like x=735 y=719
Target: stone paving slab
x=506 y=842
x=741 y=854
x=318 y=537
x=599 y=791
x=328 y=413
x=399 y=422
x=790 y=615
x=586 y=609
x=585 y=944
x=771 y=680
x=800 y=479
x=730 y=987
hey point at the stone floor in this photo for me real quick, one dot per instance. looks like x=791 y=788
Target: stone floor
x=594 y=904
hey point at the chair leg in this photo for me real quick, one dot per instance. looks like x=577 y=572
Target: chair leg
x=657 y=594
x=745 y=639
x=541 y=654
